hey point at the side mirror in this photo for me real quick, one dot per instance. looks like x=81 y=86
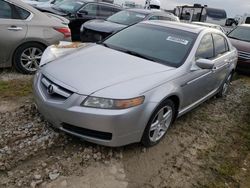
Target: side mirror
x=205 y=63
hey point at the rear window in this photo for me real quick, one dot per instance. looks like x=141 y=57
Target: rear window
x=216 y=13
x=220 y=45
x=24 y=14
x=127 y=17
x=160 y=44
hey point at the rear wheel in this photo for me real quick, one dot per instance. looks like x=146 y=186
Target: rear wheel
x=27 y=57
x=160 y=121
x=225 y=86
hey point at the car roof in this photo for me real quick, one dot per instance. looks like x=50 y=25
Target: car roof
x=143 y=11
x=205 y=24
x=245 y=25
x=178 y=25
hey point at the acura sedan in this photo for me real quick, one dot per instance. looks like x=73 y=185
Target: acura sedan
x=132 y=87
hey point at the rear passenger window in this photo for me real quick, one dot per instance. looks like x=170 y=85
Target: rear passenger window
x=206 y=48
x=220 y=45
x=91 y=9
x=165 y=18
x=154 y=18
x=23 y=14
x=5 y=10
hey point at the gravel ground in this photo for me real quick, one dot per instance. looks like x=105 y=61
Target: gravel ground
x=32 y=154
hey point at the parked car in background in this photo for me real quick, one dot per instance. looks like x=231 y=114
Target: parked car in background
x=132 y=86
x=25 y=33
x=80 y=11
x=240 y=38
x=42 y=3
x=97 y=30
x=215 y=26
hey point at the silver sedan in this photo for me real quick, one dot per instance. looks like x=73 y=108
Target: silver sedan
x=131 y=87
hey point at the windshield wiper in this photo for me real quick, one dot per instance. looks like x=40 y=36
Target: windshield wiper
x=138 y=55
x=239 y=39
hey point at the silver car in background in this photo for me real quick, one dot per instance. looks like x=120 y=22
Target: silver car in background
x=132 y=87
x=25 y=33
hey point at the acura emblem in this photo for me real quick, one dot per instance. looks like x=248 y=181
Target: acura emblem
x=50 y=89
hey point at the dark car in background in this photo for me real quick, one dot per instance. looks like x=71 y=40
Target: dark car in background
x=80 y=11
x=96 y=30
x=240 y=38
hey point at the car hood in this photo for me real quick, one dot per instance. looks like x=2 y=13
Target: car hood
x=103 y=26
x=241 y=45
x=97 y=67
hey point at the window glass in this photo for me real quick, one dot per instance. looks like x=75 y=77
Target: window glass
x=68 y=6
x=126 y=17
x=165 y=18
x=24 y=14
x=247 y=20
x=105 y=11
x=240 y=33
x=219 y=44
x=206 y=48
x=154 y=18
x=5 y=10
x=160 y=44
x=92 y=9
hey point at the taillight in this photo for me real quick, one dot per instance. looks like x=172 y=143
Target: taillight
x=65 y=31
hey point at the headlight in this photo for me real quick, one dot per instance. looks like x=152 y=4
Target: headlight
x=97 y=102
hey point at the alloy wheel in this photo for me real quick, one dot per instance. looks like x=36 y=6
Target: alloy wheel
x=30 y=58
x=160 y=123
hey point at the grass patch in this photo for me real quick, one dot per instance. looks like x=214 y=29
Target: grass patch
x=15 y=88
x=225 y=159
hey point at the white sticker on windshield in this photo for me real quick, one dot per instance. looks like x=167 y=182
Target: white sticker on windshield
x=178 y=40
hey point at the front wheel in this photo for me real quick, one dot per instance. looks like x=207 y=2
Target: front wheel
x=161 y=119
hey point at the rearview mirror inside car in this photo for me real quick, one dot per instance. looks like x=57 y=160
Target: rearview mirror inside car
x=205 y=63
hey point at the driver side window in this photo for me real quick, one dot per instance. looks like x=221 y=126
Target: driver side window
x=90 y=9
x=206 y=48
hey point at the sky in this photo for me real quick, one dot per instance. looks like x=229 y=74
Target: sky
x=232 y=7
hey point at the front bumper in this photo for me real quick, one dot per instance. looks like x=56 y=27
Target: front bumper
x=106 y=127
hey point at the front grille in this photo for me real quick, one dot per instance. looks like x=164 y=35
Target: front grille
x=244 y=55
x=53 y=91
x=93 y=36
x=87 y=132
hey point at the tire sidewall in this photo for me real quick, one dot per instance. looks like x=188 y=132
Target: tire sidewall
x=145 y=138
x=18 y=53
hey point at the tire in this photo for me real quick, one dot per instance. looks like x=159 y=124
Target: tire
x=159 y=122
x=27 y=57
x=225 y=86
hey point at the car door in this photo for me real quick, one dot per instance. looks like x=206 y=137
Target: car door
x=12 y=28
x=198 y=82
x=221 y=59
x=86 y=13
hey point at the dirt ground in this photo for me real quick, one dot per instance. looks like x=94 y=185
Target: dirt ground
x=208 y=147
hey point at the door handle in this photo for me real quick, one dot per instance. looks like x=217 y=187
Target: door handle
x=15 y=28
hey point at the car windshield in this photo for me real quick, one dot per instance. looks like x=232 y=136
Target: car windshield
x=156 y=43
x=127 y=17
x=68 y=6
x=240 y=33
